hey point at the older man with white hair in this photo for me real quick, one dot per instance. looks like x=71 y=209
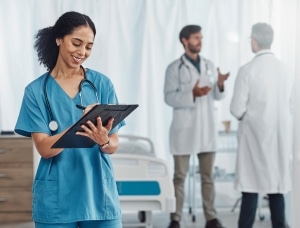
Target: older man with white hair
x=262 y=103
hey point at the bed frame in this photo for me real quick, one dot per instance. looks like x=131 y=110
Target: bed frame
x=144 y=182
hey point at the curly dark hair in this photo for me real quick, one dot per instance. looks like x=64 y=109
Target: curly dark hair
x=45 y=43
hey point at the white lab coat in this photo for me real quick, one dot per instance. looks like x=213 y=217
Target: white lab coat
x=193 y=127
x=262 y=101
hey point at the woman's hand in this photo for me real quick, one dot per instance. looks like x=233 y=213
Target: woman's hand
x=99 y=133
x=88 y=108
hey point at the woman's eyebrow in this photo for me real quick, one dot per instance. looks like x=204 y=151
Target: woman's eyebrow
x=82 y=40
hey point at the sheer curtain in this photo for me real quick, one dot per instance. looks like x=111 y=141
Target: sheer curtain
x=135 y=41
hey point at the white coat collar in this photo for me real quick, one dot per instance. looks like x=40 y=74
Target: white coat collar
x=188 y=63
x=263 y=52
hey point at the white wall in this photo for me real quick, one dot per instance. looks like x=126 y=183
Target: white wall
x=295 y=199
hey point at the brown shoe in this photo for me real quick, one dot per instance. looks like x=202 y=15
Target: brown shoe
x=214 y=223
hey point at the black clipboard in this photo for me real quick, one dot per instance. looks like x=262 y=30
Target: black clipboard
x=105 y=111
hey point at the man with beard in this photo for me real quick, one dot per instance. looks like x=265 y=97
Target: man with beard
x=192 y=84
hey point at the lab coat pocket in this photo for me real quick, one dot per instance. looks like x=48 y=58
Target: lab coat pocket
x=183 y=118
x=45 y=200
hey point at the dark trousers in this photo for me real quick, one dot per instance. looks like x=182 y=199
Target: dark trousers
x=249 y=206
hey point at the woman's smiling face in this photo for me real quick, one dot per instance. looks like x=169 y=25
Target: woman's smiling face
x=76 y=47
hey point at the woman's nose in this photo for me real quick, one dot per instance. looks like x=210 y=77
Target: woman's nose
x=81 y=51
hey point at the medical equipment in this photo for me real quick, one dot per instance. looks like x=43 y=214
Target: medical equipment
x=144 y=182
x=53 y=125
x=207 y=71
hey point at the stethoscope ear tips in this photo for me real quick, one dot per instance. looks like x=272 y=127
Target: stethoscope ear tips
x=53 y=126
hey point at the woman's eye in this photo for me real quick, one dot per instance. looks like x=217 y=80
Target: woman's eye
x=89 y=48
x=76 y=45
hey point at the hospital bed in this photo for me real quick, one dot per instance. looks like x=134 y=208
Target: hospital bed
x=143 y=180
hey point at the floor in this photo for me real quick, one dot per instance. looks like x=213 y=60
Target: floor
x=161 y=220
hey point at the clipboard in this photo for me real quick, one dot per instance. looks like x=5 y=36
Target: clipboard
x=105 y=111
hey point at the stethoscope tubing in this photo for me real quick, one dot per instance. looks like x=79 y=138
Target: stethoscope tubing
x=53 y=125
x=182 y=62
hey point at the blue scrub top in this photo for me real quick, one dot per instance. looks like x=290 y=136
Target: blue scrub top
x=78 y=184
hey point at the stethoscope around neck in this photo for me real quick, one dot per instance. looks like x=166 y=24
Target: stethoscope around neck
x=53 y=125
x=182 y=62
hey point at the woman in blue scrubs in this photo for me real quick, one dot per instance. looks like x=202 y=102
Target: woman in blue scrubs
x=73 y=187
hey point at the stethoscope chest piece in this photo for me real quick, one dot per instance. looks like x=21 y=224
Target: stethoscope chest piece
x=53 y=126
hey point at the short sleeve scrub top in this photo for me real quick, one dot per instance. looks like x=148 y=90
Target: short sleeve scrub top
x=78 y=184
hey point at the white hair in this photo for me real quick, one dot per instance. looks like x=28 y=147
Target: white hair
x=263 y=34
